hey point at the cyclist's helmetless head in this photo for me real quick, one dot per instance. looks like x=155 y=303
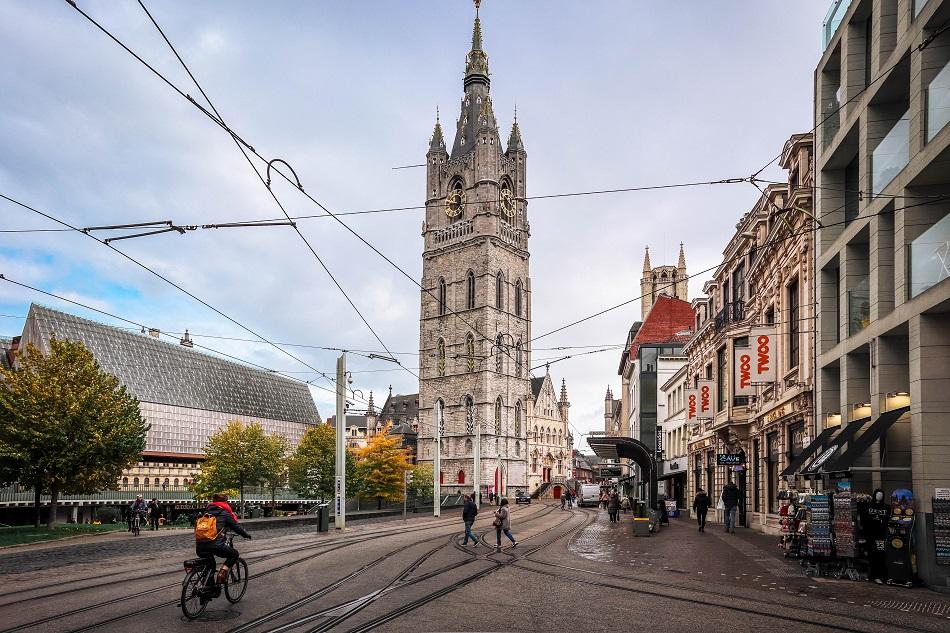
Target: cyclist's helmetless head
x=219 y=496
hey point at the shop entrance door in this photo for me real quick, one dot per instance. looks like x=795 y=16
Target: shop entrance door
x=557 y=492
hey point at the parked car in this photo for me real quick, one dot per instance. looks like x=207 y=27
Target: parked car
x=522 y=497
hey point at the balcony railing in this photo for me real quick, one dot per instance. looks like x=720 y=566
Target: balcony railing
x=891 y=155
x=832 y=20
x=732 y=313
x=938 y=102
x=930 y=257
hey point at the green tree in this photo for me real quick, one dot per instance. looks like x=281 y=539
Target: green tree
x=236 y=456
x=313 y=465
x=382 y=466
x=421 y=481
x=276 y=451
x=66 y=426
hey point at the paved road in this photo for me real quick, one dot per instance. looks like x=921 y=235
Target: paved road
x=571 y=570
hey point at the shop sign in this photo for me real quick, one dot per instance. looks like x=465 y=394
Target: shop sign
x=705 y=389
x=775 y=414
x=659 y=440
x=942 y=493
x=742 y=372
x=692 y=405
x=730 y=459
x=763 y=341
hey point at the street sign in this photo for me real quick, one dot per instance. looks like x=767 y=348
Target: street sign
x=730 y=459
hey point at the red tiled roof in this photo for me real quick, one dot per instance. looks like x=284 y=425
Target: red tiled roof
x=667 y=322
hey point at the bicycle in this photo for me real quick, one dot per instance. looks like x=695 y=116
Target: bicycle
x=137 y=524
x=201 y=586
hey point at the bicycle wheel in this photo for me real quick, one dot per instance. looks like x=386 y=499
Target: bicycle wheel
x=136 y=527
x=236 y=584
x=191 y=602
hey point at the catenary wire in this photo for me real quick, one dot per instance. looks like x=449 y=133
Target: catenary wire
x=271 y=192
x=138 y=325
x=166 y=280
x=731 y=259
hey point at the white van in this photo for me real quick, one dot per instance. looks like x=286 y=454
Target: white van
x=588 y=495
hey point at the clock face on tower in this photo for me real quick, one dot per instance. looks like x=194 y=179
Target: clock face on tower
x=507 y=201
x=455 y=202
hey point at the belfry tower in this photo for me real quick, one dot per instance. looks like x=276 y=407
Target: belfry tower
x=662 y=280
x=475 y=322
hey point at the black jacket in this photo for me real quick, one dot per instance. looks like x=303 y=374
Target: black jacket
x=469 y=511
x=730 y=495
x=154 y=509
x=701 y=502
x=225 y=522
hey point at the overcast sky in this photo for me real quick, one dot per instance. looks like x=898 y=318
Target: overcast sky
x=609 y=95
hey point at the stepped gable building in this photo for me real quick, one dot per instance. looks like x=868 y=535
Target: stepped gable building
x=671 y=281
x=549 y=438
x=183 y=394
x=475 y=323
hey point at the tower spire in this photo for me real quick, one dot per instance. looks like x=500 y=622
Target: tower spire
x=681 y=264
x=646 y=261
x=437 y=142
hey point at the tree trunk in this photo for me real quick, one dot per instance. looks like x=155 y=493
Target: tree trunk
x=242 y=499
x=379 y=503
x=37 y=491
x=53 y=499
x=273 y=499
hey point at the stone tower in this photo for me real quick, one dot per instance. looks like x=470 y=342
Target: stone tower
x=662 y=280
x=476 y=307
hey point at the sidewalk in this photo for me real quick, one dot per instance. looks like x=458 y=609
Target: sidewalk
x=746 y=559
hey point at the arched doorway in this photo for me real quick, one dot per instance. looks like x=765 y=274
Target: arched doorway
x=557 y=492
x=461 y=476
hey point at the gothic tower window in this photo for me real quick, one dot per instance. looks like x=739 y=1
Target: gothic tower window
x=470 y=353
x=518 y=289
x=518 y=360
x=441 y=357
x=498 y=416
x=469 y=416
x=442 y=296
x=499 y=350
x=500 y=291
x=518 y=419
x=470 y=290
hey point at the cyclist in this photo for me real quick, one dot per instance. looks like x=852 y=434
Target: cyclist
x=140 y=508
x=226 y=520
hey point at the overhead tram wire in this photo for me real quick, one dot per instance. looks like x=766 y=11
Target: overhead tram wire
x=266 y=184
x=732 y=259
x=167 y=281
x=138 y=325
x=217 y=120
x=883 y=74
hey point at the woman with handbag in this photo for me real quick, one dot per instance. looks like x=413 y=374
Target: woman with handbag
x=502 y=523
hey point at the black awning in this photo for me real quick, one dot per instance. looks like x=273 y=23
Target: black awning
x=816 y=445
x=871 y=434
x=845 y=434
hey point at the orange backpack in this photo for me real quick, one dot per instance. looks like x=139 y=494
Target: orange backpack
x=206 y=528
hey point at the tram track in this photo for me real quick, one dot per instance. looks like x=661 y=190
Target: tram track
x=329 y=545
x=174 y=570
x=401 y=577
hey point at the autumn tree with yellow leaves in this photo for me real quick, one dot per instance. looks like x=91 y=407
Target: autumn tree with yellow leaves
x=382 y=465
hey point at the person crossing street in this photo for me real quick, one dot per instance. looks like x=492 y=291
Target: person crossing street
x=469 y=512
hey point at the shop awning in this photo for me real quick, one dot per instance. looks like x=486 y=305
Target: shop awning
x=845 y=434
x=817 y=445
x=872 y=433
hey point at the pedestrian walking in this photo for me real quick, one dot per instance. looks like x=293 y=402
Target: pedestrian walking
x=564 y=500
x=730 y=502
x=613 y=507
x=154 y=510
x=664 y=513
x=570 y=499
x=502 y=523
x=625 y=504
x=701 y=507
x=469 y=511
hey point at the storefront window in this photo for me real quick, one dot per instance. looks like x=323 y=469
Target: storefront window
x=698 y=472
x=710 y=473
x=721 y=378
x=771 y=443
x=756 y=487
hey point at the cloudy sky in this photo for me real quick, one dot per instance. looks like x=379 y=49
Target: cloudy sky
x=609 y=95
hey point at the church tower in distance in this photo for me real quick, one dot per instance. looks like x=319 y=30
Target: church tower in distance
x=475 y=322
x=662 y=280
